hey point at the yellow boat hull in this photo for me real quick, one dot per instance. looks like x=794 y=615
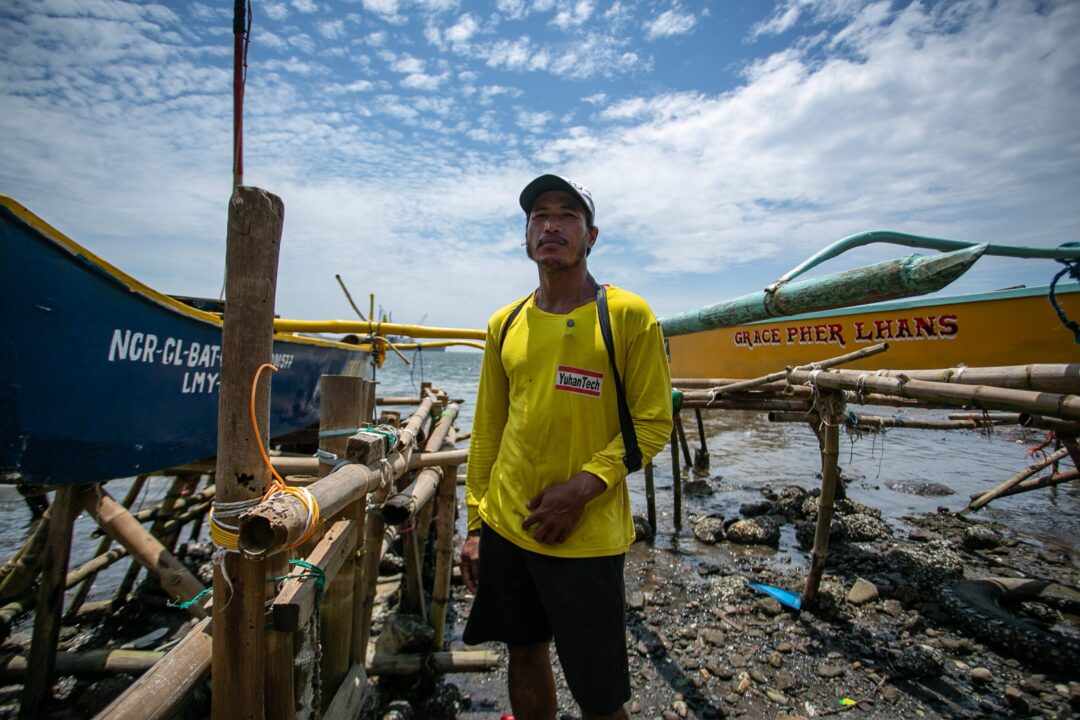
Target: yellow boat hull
x=1013 y=327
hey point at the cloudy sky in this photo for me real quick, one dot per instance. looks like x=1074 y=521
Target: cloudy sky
x=723 y=141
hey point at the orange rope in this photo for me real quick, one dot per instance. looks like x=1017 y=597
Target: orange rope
x=278 y=484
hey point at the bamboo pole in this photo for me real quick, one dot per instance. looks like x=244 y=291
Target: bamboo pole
x=403 y=505
x=830 y=453
x=981 y=396
x=92 y=663
x=161 y=692
x=166 y=506
x=650 y=496
x=676 y=475
x=410 y=400
x=1062 y=427
x=176 y=580
x=701 y=455
x=103 y=545
x=687 y=461
x=1038 y=483
x=412 y=586
x=23 y=567
x=442 y=662
x=37 y=690
x=280 y=521
x=239 y=642
x=342 y=408
x=701 y=399
x=304 y=465
x=179 y=508
x=445 y=504
x=743 y=385
x=1015 y=480
x=876 y=422
x=904 y=277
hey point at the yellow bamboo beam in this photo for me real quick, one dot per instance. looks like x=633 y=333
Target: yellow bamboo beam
x=382 y=328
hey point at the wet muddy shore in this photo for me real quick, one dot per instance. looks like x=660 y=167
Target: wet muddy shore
x=923 y=617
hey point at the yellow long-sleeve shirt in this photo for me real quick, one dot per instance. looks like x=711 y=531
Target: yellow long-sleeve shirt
x=546 y=410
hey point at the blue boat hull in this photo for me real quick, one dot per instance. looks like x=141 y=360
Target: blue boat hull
x=100 y=379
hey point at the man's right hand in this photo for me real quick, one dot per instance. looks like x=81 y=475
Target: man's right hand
x=470 y=560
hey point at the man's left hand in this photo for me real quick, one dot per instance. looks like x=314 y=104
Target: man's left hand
x=556 y=510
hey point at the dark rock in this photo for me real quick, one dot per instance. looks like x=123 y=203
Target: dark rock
x=980 y=537
x=1016 y=700
x=697 y=487
x=755 y=531
x=922 y=489
x=404 y=633
x=790 y=501
x=761 y=507
x=709 y=529
x=919 y=661
x=643 y=531
x=862 y=527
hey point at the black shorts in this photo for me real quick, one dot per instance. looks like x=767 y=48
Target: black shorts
x=525 y=598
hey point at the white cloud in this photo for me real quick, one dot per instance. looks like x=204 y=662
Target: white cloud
x=331 y=29
x=388 y=10
x=305 y=6
x=574 y=16
x=275 y=10
x=513 y=9
x=421 y=81
x=669 y=23
x=533 y=121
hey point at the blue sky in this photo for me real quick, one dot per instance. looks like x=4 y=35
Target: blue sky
x=723 y=141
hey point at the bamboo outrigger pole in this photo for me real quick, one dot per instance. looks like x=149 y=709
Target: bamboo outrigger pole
x=904 y=277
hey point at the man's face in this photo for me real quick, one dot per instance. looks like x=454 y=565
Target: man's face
x=557 y=235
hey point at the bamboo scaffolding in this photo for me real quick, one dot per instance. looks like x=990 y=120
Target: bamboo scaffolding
x=349 y=698
x=981 y=396
x=158 y=512
x=681 y=431
x=701 y=399
x=904 y=277
x=166 y=506
x=176 y=580
x=1044 y=377
x=160 y=692
x=676 y=475
x=1015 y=480
x=304 y=465
x=280 y=521
x=239 y=641
x=22 y=568
x=403 y=505
x=375 y=544
x=411 y=400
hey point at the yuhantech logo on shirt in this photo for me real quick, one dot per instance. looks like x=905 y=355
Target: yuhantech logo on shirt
x=585 y=382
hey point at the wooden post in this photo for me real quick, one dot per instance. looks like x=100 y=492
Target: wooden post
x=342 y=409
x=37 y=692
x=239 y=638
x=833 y=413
x=676 y=474
x=445 y=505
x=373 y=537
x=360 y=508
x=650 y=496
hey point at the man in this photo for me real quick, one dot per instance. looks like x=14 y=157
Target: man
x=549 y=510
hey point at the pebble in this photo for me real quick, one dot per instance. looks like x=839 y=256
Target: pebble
x=1015 y=699
x=758 y=677
x=776 y=660
x=784 y=647
x=981 y=675
x=862 y=592
x=776 y=696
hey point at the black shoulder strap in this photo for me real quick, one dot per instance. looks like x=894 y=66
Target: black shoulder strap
x=510 y=321
x=632 y=458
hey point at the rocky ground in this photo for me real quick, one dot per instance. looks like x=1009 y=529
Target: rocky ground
x=939 y=616
x=907 y=625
